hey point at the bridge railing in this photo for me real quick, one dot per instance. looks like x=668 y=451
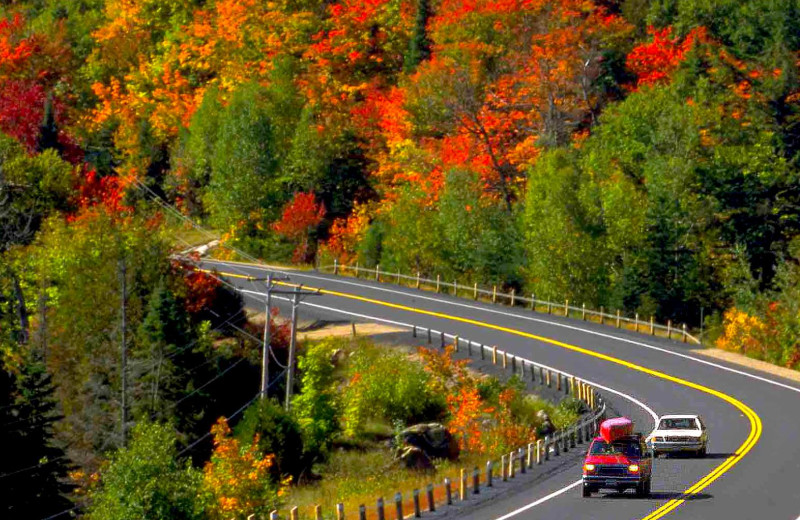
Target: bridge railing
x=618 y=319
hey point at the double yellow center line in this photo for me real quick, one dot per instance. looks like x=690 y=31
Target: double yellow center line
x=746 y=446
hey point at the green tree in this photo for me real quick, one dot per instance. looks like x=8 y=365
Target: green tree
x=33 y=472
x=147 y=480
x=419 y=48
x=278 y=434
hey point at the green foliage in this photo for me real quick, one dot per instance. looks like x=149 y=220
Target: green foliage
x=278 y=434
x=419 y=48
x=244 y=162
x=384 y=385
x=35 y=468
x=146 y=480
x=316 y=406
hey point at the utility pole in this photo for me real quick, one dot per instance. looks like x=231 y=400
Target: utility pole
x=124 y=370
x=265 y=348
x=292 y=345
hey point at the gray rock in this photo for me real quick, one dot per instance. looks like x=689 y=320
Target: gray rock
x=433 y=439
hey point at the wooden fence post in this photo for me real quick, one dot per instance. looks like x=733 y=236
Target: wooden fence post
x=378 y=273
x=339 y=511
x=617 y=318
x=456 y=341
x=512 y=468
x=476 y=481
x=417 y=509
x=583 y=312
x=398 y=506
x=669 y=329
x=505 y=359
x=566 y=307
x=636 y=321
x=455 y=287
x=513 y=297
x=494 y=354
x=431 y=501
x=417 y=279
x=539 y=451
x=533 y=302
x=602 y=316
x=462 y=484
x=684 y=333
x=448 y=491
x=317 y=512
x=381 y=509
x=362 y=512
x=335 y=266
x=494 y=294
x=489 y=473
x=652 y=326
x=438 y=280
x=293 y=513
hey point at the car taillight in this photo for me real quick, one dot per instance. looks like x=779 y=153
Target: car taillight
x=633 y=468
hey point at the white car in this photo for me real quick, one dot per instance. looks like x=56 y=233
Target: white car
x=679 y=433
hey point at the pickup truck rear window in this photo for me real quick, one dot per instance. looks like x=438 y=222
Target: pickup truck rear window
x=629 y=449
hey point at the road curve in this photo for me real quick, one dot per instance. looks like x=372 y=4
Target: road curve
x=754 y=455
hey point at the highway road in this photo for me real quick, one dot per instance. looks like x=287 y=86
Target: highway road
x=751 y=471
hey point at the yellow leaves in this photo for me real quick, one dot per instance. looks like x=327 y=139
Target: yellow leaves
x=742 y=333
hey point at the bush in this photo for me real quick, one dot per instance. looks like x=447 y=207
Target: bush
x=278 y=434
x=385 y=384
x=316 y=407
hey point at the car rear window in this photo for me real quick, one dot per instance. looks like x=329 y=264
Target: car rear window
x=678 y=424
x=627 y=448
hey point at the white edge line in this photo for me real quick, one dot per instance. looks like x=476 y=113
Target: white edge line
x=555 y=324
x=408 y=325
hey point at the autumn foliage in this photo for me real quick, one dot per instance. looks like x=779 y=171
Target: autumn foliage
x=655 y=61
x=298 y=220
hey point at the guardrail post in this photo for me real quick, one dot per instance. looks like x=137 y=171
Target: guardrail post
x=469 y=347
x=523 y=465
x=533 y=302
x=431 y=501
x=417 y=510
x=529 y=455
x=357 y=270
x=475 y=291
x=566 y=307
x=318 y=512
x=362 y=512
x=483 y=350
x=476 y=481
x=462 y=484
x=505 y=360
x=652 y=326
x=580 y=433
x=636 y=322
x=617 y=318
x=572 y=436
x=583 y=312
x=533 y=372
x=684 y=333
x=417 y=286
x=541 y=375
x=503 y=468
x=546 y=447
x=398 y=506
x=591 y=397
x=494 y=294
x=549 y=309
x=556 y=447
x=489 y=473
x=558 y=381
x=513 y=297
x=448 y=491
x=539 y=451
x=438 y=281
x=273 y=515
x=669 y=329
x=398 y=277
x=513 y=364
x=441 y=338
x=602 y=316
x=335 y=266
x=456 y=341
x=494 y=354
x=381 y=510
x=429 y=336
x=549 y=376
x=565 y=440
x=339 y=511
x=572 y=386
x=455 y=287
x=378 y=272
x=512 y=468
x=293 y=513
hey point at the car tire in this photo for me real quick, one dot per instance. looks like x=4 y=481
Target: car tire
x=647 y=487
x=643 y=489
x=587 y=491
x=656 y=454
x=702 y=452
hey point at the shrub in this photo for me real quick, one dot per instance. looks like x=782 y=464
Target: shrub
x=385 y=384
x=278 y=434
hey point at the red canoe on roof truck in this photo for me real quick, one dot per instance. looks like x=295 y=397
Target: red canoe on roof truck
x=613 y=429
x=617 y=459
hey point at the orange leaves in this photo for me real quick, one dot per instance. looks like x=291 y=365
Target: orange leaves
x=237 y=477
x=742 y=333
x=655 y=61
x=466 y=413
x=346 y=234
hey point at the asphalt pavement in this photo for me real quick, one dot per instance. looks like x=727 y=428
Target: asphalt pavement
x=750 y=472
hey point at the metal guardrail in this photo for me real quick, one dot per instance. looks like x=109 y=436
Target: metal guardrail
x=520 y=460
x=649 y=327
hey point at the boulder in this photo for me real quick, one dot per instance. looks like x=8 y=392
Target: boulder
x=337 y=357
x=433 y=439
x=414 y=458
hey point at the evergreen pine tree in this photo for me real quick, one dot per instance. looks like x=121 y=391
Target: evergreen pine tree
x=419 y=48
x=32 y=469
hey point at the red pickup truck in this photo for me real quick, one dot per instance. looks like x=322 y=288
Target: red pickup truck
x=617 y=459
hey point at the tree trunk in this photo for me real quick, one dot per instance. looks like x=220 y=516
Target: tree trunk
x=22 y=311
